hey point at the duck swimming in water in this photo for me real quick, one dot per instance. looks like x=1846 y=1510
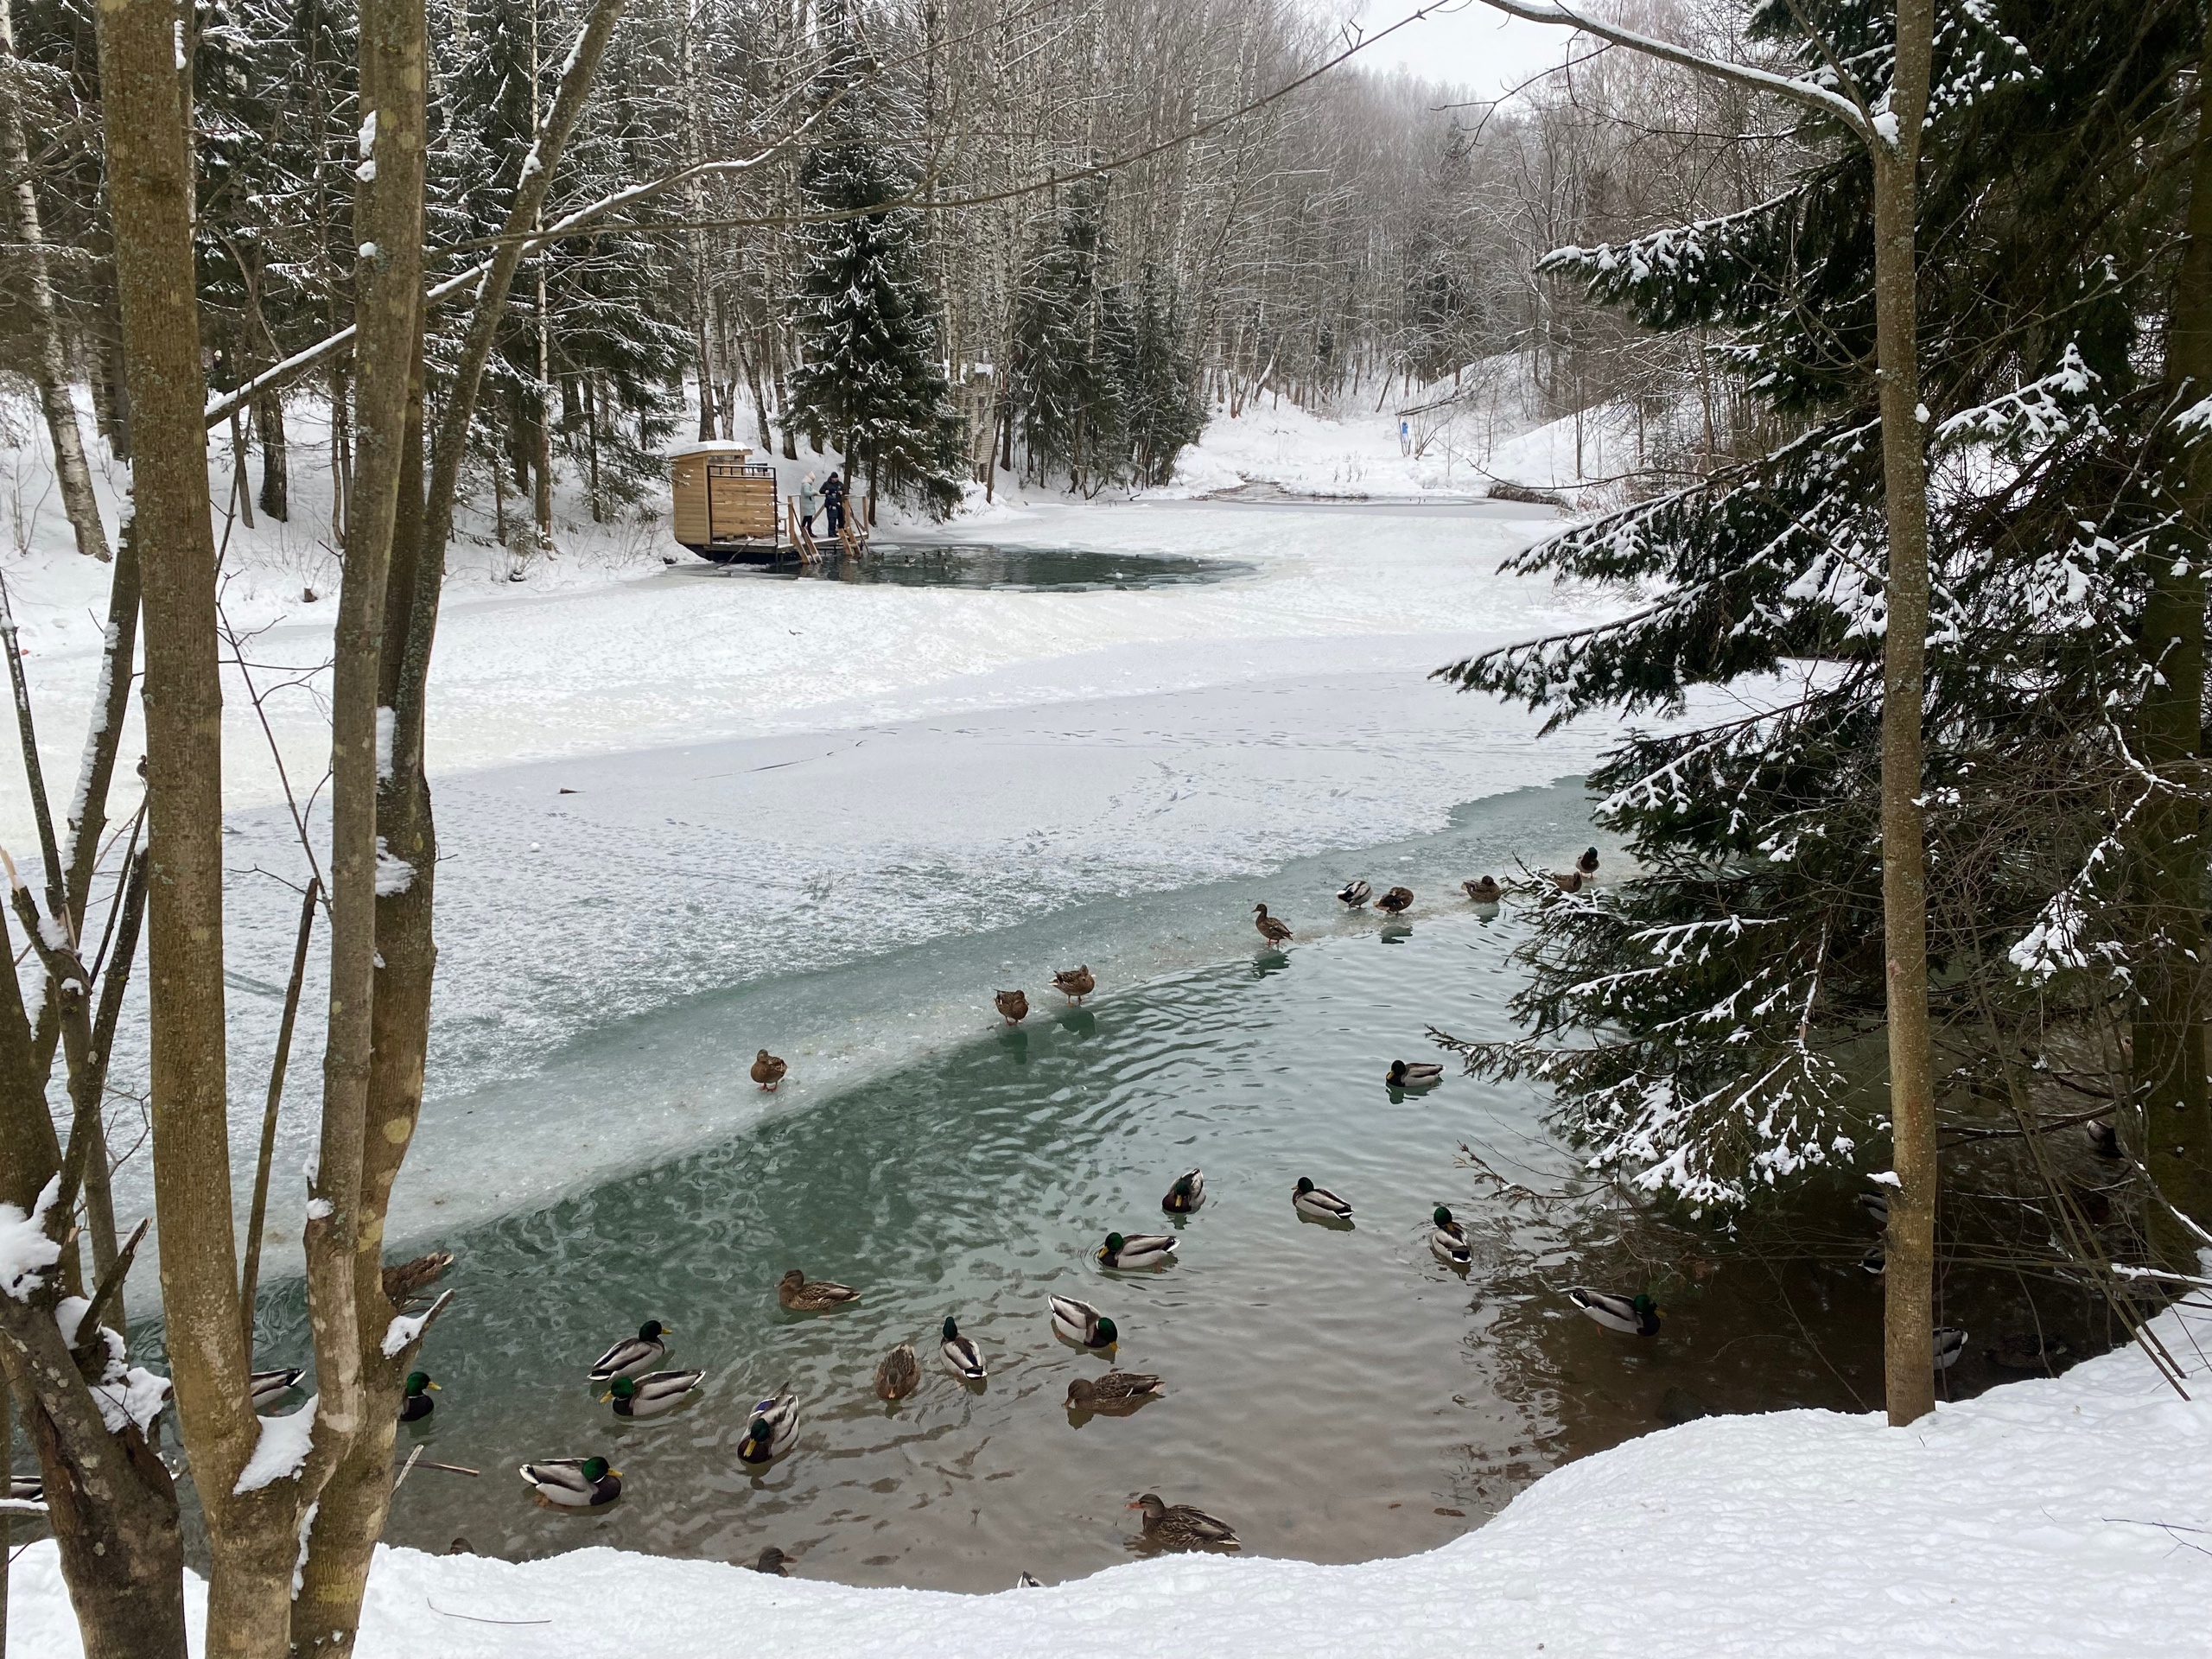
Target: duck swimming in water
x=266 y=1387
x=415 y=1404
x=1950 y=1343
x=803 y=1295
x=574 y=1483
x=1116 y=1391
x=633 y=1356
x=899 y=1374
x=1178 y=1526
x=1632 y=1316
x=962 y=1356
x=1137 y=1250
x=1187 y=1194
x=1082 y=1324
x=653 y=1393
x=1448 y=1240
x=1415 y=1074
x=772 y=1432
x=1317 y=1201
x=1485 y=891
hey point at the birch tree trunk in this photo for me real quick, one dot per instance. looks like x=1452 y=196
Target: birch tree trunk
x=49 y=365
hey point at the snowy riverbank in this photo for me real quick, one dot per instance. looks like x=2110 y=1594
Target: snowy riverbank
x=2062 y=1517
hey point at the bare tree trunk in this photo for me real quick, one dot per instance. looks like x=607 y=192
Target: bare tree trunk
x=276 y=483
x=150 y=194
x=327 y=1616
x=49 y=365
x=1909 y=1368
x=2167 y=1056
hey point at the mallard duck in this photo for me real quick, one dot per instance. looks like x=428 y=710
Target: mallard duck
x=1448 y=1240
x=1274 y=931
x=1876 y=1262
x=1075 y=983
x=1950 y=1343
x=2104 y=1139
x=461 y=1545
x=1028 y=1581
x=1014 y=1005
x=1632 y=1316
x=2028 y=1351
x=1415 y=1074
x=962 y=1356
x=771 y=1561
x=768 y=1071
x=773 y=1431
x=1485 y=891
x=1571 y=882
x=653 y=1393
x=1137 y=1251
x=1082 y=1324
x=1356 y=896
x=1116 y=1391
x=266 y=1387
x=803 y=1295
x=574 y=1483
x=1317 y=1201
x=415 y=1404
x=1178 y=1526
x=1396 y=902
x=1586 y=866
x=27 y=1489
x=1877 y=1206
x=1187 y=1194
x=898 y=1374
x=633 y=1356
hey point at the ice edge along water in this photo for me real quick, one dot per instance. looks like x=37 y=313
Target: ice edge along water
x=2054 y=1517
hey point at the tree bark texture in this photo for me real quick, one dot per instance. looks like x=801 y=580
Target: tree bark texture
x=1908 y=1286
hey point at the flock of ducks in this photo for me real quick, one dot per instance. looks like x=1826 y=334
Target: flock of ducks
x=636 y=1387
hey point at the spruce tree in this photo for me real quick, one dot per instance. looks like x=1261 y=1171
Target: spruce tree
x=870 y=382
x=1075 y=353
x=1711 y=1023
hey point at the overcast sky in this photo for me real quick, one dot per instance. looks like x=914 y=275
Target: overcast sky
x=1474 y=46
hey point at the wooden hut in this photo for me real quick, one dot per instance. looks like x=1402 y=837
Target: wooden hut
x=726 y=505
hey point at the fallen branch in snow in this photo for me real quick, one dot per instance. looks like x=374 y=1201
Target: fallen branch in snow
x=474 y=1619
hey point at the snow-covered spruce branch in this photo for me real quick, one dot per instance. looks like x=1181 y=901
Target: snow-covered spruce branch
x=1805 y=94
x=1669 y=250
x=2046 y=410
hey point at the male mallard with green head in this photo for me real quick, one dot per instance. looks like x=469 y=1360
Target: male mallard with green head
x=574 y=1483
x=415 y=1404
x=1317 y=1201
x=1082 y=1324
x=652 y=1394
x=1448 y=1240
x=1137 y=1250
x=1413 y=1074
x=773 y=1431
x=1187 y=1194
x=962 y=1356
x=1632 y=1316
x=633 y=1356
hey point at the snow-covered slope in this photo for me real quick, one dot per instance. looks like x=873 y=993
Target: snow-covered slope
x=2053 y=1518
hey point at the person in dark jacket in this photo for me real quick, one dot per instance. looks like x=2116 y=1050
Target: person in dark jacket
x=833 y=503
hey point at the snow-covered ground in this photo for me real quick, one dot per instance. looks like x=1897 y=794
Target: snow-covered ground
x=2068 y=1516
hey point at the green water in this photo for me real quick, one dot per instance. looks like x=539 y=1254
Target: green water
x=1336 y=1394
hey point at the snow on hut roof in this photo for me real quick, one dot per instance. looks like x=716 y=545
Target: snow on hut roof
x=710 y=447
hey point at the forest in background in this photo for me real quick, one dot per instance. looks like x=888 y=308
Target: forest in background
x=1040 y=241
